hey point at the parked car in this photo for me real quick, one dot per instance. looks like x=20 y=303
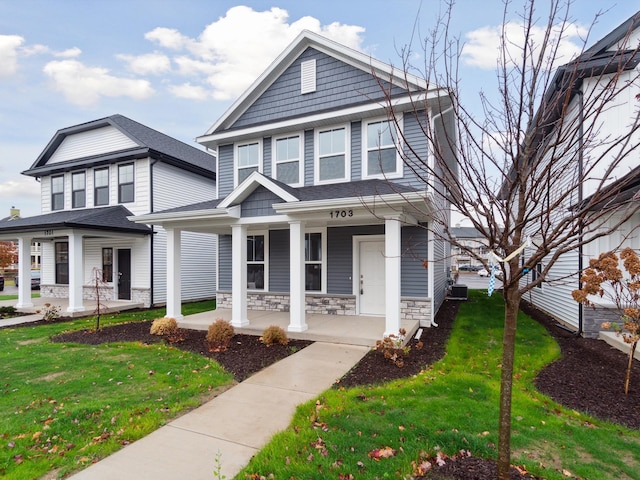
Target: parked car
x=35 y=279
x=466 y=268
x=1 y=282
x=483 y=272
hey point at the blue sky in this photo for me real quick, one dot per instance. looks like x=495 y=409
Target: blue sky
x=177 y=65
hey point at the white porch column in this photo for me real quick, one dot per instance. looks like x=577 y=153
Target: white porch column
x=24 y=272
x=174 y=273
x=297 y=302
x=75 y=274
x=239 y=276
x=392 y=251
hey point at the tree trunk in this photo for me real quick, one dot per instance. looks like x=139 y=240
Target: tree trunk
x=512 y=306
x=632 y=351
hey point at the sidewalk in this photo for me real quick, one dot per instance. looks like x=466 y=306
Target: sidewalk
x=234 y=425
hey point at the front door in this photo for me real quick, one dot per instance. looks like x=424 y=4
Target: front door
x=372 y=280
x=124 y=274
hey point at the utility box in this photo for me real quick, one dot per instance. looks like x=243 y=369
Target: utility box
x=458 y=292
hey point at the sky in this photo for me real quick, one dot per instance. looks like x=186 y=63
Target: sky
x=177 y=65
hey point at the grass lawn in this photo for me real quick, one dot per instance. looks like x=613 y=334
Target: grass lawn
x=449 y=407
x=65 y=405
x=15 y=297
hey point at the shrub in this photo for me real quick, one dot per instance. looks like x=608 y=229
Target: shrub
x=49 y=312
x=393 y=348
x=273 y=335
x=7 y=312
x=164 y=326
x=219 y=335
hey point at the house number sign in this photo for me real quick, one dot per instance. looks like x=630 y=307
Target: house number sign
x=341 y=213
x=48 y=233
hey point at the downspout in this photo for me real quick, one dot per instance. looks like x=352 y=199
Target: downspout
x=580 y=198
x=152 y=209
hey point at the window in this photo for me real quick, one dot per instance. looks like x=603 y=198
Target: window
x=62 y=263
x=313 y=262
x=57 y=192
x=101 y=186
x=537 y=273
x=380 y=156
x=247 y=160
x=125 y=183
x=332 y=155
x=107 y=264
x=255 y=262
x=78 y=190
x=287 y=160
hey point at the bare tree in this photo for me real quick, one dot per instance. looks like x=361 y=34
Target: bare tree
x=525 y=159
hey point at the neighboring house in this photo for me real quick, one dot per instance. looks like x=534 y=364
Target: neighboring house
x=14 y=214
x=93 y=178
x=316 y=211
x=597 y=64
x=476 y=246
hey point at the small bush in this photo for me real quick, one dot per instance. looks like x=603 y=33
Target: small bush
x=49 y=312
x=7 y=312
x=393 y=349
x=273 y=335
x=164 y=326
x=219 y=335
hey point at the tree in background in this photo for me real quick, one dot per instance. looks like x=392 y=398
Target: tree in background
x=8 y=254
x=523 y=158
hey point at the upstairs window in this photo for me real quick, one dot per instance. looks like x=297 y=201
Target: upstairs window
x=288 y=160
x=381 y=155
x=332 y=155
x=78 y=190
x=125 y=183
x=57 y=192
x=101 y=186
x=248 y=160
x=255 y=262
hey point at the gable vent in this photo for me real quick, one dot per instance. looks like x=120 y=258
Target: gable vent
x=308 y=76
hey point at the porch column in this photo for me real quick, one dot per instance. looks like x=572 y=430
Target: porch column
x=174 y=273
x=392 y=251
x=297 y=302
x=75 y=274
x=239 y=276
x=24 y=273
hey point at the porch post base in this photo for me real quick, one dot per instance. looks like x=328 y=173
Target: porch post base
x=239 y=323
x=75 y=309
x=24 y=305
x=298 y=328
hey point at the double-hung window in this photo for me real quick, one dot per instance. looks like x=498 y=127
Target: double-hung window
x=107 y=264
x=78 y=190
x=313 y=262
x=288 y=165
x=62 y=262
x=381 y=159
x=256 y=262
x=125 y=183
x=57 y=192
x=248 y=160
x=332 y=154
x=101 y=186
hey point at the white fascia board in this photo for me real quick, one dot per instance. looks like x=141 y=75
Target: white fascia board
x=393 y=199
x=170 y=217
x=249 y=185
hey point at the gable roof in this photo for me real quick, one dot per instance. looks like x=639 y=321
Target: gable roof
x=112 y=219
x=150 y=143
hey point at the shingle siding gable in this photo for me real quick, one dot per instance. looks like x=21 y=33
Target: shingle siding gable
x=339 y=85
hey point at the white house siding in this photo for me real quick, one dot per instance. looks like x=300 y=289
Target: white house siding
x=93 y=142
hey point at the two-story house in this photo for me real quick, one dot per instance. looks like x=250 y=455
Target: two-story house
x=93 y=177
x=316 y=210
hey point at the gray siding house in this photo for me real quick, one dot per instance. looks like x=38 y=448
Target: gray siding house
x=93 y=178
x=316 y=210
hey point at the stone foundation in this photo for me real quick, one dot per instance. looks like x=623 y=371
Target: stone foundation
x=593 y=318
x=138 y=295
x=416 y=309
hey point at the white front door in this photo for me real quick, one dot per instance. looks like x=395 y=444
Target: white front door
x=372 y=278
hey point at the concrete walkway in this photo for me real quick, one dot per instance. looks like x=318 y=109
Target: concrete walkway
x=232 y=426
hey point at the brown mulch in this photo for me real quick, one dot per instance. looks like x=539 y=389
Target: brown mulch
x=589 y=377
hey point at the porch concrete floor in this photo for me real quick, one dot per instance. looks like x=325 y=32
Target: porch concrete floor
x=344 y=329
x=109 y=306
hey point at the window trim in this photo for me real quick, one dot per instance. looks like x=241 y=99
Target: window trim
x=536 y=272
x=275 y=162
x=365 y=150
x=96 y=187
x=74 y=191
x=132 y=183
x=323 y=262
x=107 y=278
x=265 y=262
x=56 y=194
x=347 y=154
x=236 y=167
x=56 y=263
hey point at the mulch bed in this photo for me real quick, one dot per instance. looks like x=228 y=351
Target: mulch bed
x=589 y=377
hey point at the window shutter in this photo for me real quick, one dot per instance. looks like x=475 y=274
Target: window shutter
x=308 y=76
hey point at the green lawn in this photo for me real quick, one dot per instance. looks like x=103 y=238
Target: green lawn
x=449 y=407
x=65 y=405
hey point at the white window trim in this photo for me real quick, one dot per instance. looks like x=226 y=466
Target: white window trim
x=73 y=191
x=264 y=233
x=323 y=263
x=274 y=163
x=365 y=151
x=236 y=167
x=347 y=155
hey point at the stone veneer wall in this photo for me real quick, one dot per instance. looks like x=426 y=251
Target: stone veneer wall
x=138 y=295
x=412 y=308
x=592 y=320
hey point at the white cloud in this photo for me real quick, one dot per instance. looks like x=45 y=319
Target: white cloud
x=191 y=92
x=9 y=45
x=83 y=85
x=483 y=45
x=68 y=53
x=19 y=187
x=149 y=64
x=235 y=49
